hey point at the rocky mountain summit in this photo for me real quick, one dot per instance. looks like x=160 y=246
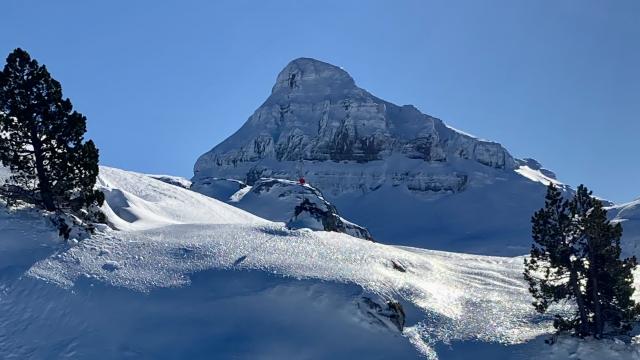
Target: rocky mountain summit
x=405 y=175
x=317 y=113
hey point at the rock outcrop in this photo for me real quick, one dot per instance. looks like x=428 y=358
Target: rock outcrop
x=321 y=215
x=298 y=205
x=385 y=313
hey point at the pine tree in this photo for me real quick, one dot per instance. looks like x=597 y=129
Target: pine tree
x=576 y=257
x=41 y=140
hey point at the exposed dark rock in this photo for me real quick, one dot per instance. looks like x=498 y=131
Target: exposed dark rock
x=398 y=266
x=313 y=211
x=321 y=215
x=388 y=314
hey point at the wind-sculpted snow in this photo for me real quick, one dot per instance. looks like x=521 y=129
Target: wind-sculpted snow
x=136 y=201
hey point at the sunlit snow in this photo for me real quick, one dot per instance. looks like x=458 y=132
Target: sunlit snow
x=462 y=297
x=213 y=272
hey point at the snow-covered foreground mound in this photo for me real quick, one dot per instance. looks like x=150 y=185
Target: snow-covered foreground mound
x=231 y=285
x=136 y=201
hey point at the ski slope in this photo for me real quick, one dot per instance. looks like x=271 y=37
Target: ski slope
x=187 y=276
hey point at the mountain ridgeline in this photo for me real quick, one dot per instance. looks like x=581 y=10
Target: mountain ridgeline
x=317 y=113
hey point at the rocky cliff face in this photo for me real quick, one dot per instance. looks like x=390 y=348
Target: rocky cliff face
x=317 y=113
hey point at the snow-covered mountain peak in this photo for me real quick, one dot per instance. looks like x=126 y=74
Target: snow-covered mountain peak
x=316 y=112
x=317 y=124
x=305 y=76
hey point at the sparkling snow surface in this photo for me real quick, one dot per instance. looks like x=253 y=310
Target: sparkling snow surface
x=170 y=236
x=461 y=297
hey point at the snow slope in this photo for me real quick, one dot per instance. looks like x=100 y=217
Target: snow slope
x=628 y=215
x=137 y=201
x=234 y=286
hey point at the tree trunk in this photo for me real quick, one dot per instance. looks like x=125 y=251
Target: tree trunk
x=597 y=316
x=44 y=184
x=583 y=329
x=595 y=292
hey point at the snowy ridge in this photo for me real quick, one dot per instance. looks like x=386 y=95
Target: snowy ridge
x=136 y=201
x=533 y=170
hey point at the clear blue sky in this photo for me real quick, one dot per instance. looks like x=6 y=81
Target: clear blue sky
x=163 y=81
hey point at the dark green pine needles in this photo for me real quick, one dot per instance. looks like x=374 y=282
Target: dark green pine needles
x=41 y=140
x=576 y=258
